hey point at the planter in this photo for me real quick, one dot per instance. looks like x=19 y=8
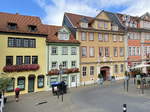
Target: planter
x=20 y=68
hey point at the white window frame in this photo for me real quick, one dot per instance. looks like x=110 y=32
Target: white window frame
x=83 y=36
x=73 y=64
x=91 y=70
x=84 y=51
x=64 y=50
x=115 y=38
x=84 y=71
x=91 y=36
x=100 y=37
x=52 y=49
x=91 y=52
x=52 y=65
x=73 y=50
x=106 y=37
x=121 y=51
x=64 y=64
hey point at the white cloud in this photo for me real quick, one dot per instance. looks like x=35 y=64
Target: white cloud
x=138 y=8
x=55 y=9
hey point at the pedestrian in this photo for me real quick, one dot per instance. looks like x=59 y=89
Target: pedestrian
x=17 y=92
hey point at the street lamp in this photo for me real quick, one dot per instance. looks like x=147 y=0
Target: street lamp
x=60 y=72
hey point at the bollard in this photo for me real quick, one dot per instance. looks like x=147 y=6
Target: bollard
x=124 y=107
x=127 y=85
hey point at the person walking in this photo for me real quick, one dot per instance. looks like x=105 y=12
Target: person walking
x=17 y=92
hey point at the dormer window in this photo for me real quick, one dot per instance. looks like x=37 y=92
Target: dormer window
x=84 y=25
x=63 y=36
x=32 y=28
x=12 y=26
x=114 y=27
x=84 y=22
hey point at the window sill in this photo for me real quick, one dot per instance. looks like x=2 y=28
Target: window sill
x=54 y=54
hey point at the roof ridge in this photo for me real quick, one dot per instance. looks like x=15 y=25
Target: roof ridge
x=18 y=14
x=78 y=14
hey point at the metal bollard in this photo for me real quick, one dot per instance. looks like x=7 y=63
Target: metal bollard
x=124 y=107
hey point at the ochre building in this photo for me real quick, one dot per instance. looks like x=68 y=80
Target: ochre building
x=23 y=51
x=102 y=46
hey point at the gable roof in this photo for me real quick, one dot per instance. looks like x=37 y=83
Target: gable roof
x=76 y=18
x=22 y=22
x=53 y=35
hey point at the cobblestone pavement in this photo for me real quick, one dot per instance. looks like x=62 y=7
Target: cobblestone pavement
x=93 y=98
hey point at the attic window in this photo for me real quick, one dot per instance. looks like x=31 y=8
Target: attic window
x=32 y=28
x=84 y=22
x=12 y=26
x=63 y=36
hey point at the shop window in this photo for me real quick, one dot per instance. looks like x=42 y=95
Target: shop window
x=40 y=81
x=10 y=86
x=21 y=83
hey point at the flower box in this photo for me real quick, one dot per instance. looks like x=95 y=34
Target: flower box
x=20 y=68
x=65 y=71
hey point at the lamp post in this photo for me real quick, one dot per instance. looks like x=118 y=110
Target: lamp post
x=62 y=86
x=60 y=71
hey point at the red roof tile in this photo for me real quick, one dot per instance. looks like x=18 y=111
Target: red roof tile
x=53 y=35
x=22 y=23
x=75 y=18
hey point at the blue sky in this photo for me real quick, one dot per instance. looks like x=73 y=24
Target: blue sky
x=52 y=11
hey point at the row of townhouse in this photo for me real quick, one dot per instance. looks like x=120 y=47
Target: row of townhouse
x=32 y=53
x=110 y=43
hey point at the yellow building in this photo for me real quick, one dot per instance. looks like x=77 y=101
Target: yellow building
x=23 y=51
x=102 y=48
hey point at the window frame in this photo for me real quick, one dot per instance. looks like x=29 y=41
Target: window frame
x=91 y=34
x=91 y=50
x=21 y=78
x=10 y=59
x=36 y=58
x=52 y=49
x=52 y=63
x=121 y=54
x=91 y=70
x=101 y=50
x=64 y=50
x=108 y=51
x=115 y=51
x=13 y=85
x=72 y=50
x=82 y=51
x=84 y=70
x=28 y=61
x=83 y=38
x=73 y=64
x=40 y=76
x=19 y=61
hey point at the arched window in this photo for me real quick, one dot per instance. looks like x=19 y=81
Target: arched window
x=10 y=86
x=21 y=83
x=40 y=81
